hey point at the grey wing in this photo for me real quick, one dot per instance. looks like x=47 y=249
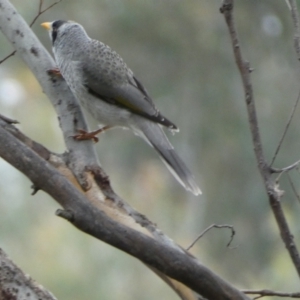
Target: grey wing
x=107 y=77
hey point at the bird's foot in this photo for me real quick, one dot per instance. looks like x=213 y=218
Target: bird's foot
x=54 y=72
x=84 y=135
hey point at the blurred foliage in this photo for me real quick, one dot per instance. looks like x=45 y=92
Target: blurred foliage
x=181 y=51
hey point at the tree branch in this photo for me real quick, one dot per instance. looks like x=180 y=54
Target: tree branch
x=174 y=262
x=208 y=229
x=109 y=203
x=285 y=130
x=14 y=284
x=292 y=4
x=268 y=293
x=270 y=186
x=41 y=11
x=286 y=169
x=293 y=187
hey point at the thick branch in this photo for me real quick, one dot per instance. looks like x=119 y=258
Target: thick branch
x=171 y=261
x=265 y=171
x=14 y=284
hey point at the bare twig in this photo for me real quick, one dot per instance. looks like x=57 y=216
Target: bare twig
x=7 y=57
x=288 y=4
x=285 y=129
x=8 y=120
x=293 y=187
x=265 y=293
x=40 y=12
x=271 y=187
x=296 y=21
x=209 y=228
x=245 y=71
x=286 y=169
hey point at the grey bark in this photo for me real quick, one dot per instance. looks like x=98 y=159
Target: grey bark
x=15 y=284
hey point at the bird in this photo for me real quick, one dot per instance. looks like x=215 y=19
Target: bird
x=108 y=89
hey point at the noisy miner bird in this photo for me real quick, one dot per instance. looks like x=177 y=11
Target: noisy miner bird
x=108 y=89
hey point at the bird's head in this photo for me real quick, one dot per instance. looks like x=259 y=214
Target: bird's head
x=59 y=28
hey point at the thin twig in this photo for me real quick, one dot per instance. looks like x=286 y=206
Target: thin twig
x=273 y=192
x=8 y=120
x=245 y=71
x=265 y=293
x=209 y=228
x=286 y=169
x=296 y=22
x=288 y=4
x=7 y=57
x=40 y=12
x=286 y=129
x=293 y=187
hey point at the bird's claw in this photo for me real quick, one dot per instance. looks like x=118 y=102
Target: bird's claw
x=84 y=135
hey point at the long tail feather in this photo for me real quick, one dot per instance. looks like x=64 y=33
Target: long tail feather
x=156 y=137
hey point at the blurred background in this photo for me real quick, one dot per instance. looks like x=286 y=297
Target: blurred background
x=181 y=52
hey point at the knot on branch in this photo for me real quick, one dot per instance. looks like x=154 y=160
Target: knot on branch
x=35 y=189
x=100 y=176
x=65 y=214
x=227 y=6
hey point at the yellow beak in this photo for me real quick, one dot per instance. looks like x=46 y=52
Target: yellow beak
x=47 y=25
